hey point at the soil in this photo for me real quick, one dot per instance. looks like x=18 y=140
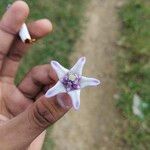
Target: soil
x=97 y=125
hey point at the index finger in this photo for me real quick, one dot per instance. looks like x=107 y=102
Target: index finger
x=10 y=25
x=36 y=80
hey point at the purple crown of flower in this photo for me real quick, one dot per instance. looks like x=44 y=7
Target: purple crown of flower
x=71 y=81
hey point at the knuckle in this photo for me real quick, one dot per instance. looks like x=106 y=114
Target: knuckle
x=35 y=69
x=42 y=115
x=16 y=56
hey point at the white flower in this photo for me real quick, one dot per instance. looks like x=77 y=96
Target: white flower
x=136 y=107
x=71 y=81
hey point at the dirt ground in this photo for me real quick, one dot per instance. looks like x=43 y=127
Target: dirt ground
x=97 y=125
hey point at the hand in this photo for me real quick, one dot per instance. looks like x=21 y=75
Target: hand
x=24 y=111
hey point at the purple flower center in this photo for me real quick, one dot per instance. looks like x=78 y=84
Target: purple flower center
x=71 y=81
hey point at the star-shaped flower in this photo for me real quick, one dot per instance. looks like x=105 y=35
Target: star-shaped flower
x=71 y=81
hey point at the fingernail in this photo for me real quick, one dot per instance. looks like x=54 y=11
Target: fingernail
x=64 y=101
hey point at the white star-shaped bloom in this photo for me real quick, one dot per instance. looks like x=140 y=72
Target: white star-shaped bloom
x=71 y=81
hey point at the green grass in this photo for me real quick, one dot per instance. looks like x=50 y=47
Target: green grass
x=134 y=70
x=66 y=16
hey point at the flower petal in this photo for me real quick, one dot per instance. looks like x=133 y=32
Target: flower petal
x=60 y=70
x=88 y=82
x=58 y=88
x=75 y=97
x=78 y=67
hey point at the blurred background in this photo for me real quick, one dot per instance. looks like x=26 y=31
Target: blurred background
x=114 y=35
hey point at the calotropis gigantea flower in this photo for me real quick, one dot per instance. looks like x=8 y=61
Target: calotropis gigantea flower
x=71 y=81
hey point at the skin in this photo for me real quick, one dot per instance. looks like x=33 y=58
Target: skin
x=25 y=112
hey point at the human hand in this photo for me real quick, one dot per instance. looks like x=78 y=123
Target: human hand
x=24 y=110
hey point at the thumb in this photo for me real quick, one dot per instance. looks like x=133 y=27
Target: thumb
x=23 y=129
